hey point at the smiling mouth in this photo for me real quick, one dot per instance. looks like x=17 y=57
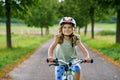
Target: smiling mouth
x=67 y=32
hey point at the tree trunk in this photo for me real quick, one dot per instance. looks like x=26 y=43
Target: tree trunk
x=8 y=23
x=47 y=30
x=118 y=27
x=85 y=32
x=41 y=31
x=92 y=21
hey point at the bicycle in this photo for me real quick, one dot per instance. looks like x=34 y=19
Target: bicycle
x=68 y=74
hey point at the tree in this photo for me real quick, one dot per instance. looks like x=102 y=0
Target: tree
x=43 y=15
x=112 y=4
x=8 y=22
x=92 y=7
x=18 y=6
x=77 y=10
x=83 y=14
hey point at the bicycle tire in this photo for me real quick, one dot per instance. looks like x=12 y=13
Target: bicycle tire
x=70 y=77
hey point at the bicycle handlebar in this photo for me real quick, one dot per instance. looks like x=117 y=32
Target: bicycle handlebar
x=56 y=62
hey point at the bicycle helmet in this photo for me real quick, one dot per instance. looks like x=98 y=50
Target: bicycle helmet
x=68 y=20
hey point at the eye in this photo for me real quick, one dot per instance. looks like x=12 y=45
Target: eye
x=69 y=27
x=64 y=27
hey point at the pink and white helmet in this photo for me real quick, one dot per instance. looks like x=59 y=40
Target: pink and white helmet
x=68 y=20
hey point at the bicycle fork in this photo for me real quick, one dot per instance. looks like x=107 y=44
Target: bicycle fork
x=68 y=75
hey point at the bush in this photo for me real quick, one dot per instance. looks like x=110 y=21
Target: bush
x=105 y=32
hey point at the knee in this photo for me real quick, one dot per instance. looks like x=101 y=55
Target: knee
x=76 y=68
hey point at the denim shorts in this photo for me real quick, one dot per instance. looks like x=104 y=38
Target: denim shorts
x=59 y=70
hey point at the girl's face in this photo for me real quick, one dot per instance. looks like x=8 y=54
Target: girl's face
x=67 y=29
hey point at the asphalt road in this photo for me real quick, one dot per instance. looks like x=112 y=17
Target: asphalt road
x=36 y=68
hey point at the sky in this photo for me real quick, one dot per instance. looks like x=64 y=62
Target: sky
x=61 y=0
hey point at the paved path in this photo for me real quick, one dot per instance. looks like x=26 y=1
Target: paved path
x=35 y=68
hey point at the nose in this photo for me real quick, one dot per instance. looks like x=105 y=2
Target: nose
x=67 y=28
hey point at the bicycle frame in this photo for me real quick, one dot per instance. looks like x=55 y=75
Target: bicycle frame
x=68 y=74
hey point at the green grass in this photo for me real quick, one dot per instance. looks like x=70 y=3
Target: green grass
x=105 y=25
x=106 y=32
x=22 y=46
x=104 y=42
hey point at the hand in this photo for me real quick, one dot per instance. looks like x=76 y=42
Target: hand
x=50 y=59
x=88 y=60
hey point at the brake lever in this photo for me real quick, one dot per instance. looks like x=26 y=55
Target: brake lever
x=83 y=61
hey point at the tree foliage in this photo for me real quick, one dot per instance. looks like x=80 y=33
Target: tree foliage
x=2 y=9
x=44 y=14
x=75 y=10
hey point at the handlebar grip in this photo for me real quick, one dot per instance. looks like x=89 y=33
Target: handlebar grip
x=90 y=61
x=47 y=61
x=55 y=60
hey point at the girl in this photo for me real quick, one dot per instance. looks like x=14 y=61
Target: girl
x=64 y=45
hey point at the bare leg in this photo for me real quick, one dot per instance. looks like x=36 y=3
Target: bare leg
x=77 y=76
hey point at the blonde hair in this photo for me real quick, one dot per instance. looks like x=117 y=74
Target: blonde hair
x=60 y=37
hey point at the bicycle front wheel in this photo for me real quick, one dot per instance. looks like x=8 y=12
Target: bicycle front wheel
x=70 y=77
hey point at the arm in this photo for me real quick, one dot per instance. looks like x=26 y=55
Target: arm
x=51 y=49
x=84 y=50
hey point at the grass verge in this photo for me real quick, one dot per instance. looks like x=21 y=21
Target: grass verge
x=23 y=47
x=105 y=44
